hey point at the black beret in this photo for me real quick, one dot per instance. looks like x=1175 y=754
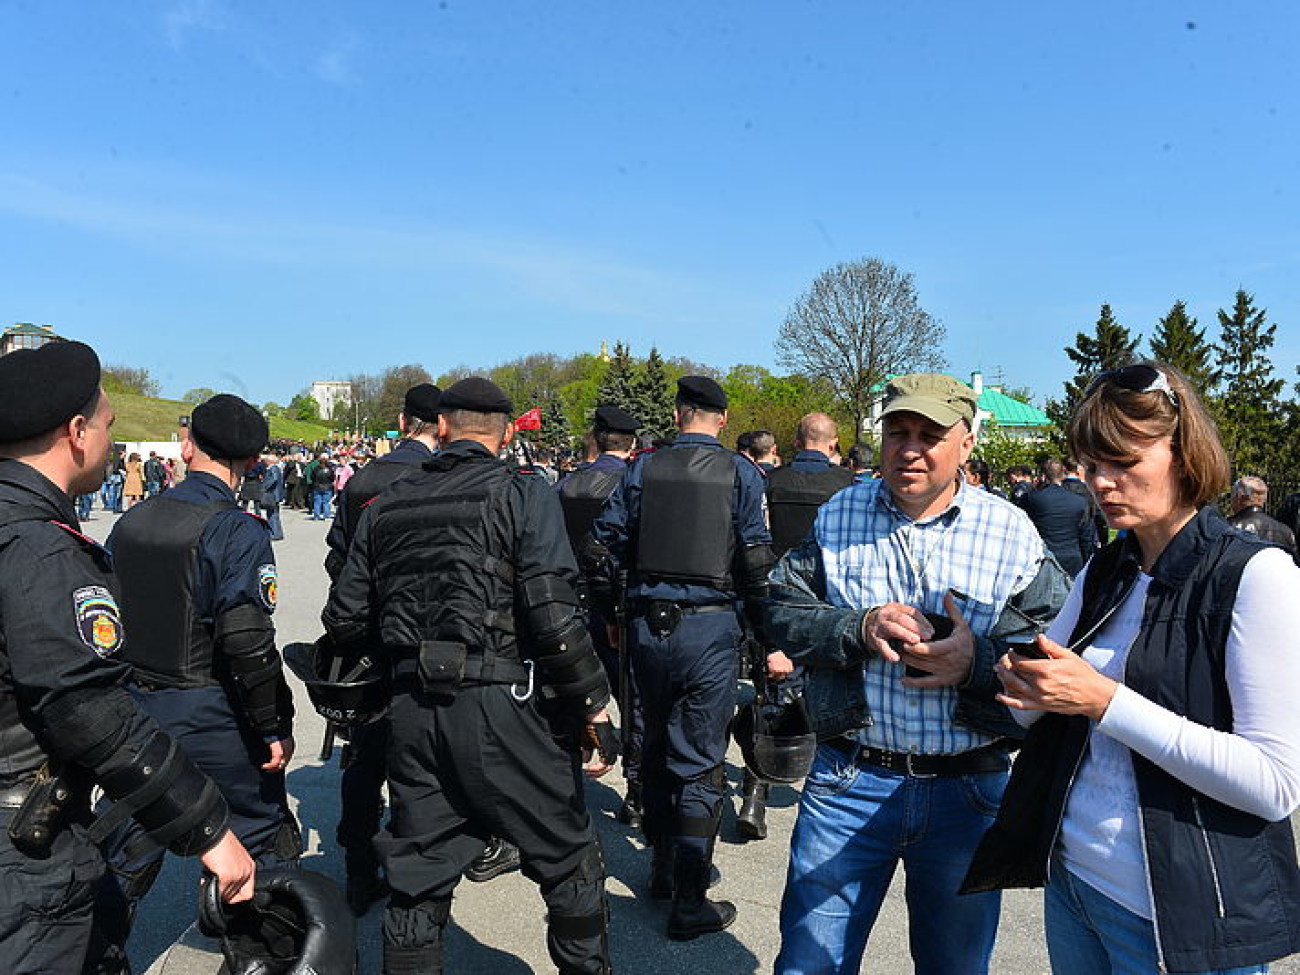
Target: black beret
x=615 y=420
x=422 y=401
x=45 y=387
x=227 y=428
x=701 y=391
x=477 y=395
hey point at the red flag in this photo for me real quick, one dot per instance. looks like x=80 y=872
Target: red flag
x=532 y=420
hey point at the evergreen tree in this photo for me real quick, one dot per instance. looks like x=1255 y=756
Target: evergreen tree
x=616 y=388
x=1250 y=406
x=1110 y=347
x=1179 y=343
x=555 y=432
x=653 y=398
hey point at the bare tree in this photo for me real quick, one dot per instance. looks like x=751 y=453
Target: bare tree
x=858 y=324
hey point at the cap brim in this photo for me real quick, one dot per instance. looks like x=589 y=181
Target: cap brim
x=931 y=409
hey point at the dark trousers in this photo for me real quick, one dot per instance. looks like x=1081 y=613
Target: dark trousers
x=202 y=723
x=687 y=681
x=629 y=711
x=361 y=788
x=46 y=905
x=467 y=767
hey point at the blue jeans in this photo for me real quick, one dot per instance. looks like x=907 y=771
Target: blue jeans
x=320 y=505
x=1090 y=934
x=855 y=825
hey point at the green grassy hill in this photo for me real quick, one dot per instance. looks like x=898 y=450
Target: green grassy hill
x=144 y=418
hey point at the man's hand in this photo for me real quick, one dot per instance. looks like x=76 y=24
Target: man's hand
x=779 y=666
x=281 y=753
x=599 y=745
x=1064 y=682
x=899 y=633
x=232 y=867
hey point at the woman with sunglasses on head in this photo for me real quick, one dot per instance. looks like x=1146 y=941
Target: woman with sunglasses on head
x=1153 y=791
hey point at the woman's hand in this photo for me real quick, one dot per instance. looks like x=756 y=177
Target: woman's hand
x=1063 y=682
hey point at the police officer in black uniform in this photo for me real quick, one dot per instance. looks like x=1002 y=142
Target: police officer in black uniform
x=363 y=768
x=64 y=711
x=582 y=495
x=688 y=524
x=795 y=491
x=466 y=575
x=198 y=582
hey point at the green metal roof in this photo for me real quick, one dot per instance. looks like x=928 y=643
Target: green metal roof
x=1009 y=412
x=27 y=328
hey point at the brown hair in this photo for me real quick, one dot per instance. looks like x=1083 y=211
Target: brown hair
x=1115 y=422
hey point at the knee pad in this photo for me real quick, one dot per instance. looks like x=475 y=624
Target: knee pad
x=410 y=923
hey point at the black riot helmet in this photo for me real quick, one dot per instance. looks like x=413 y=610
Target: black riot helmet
x=348 y=690
x=296 y=924
x=776 y=740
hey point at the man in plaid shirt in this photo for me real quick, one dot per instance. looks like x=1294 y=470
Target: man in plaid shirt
x=899 y=603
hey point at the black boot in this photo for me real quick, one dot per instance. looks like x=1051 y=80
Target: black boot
x=751 y=823
x=501 y=856
x=693 y=913
x=364 y=885
x=630 y=813
x=661 y=870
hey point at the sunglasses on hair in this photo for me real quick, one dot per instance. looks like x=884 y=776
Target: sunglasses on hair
x=1138 y=379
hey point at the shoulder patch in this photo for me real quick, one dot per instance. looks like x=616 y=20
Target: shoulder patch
x=99 y=621
x=267 y=586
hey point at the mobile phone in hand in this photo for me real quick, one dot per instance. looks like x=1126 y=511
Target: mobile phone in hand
x=1031 y=650
x=943 y=628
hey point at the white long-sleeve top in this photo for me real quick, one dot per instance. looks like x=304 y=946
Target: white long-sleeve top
x=1255 y=767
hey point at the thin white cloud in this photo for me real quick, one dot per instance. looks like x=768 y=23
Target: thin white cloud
x=183 y=18
x=336 y=65
x=555 y=272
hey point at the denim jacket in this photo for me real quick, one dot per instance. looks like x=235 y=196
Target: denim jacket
x=827 y=640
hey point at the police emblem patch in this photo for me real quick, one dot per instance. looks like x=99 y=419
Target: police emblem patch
x=266 y=586
x=99 y=621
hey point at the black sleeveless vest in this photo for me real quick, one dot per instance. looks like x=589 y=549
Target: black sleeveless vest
x=155 y=553
x=443 y=552
x=687 y=504
x=793 y=499
x=582 y=496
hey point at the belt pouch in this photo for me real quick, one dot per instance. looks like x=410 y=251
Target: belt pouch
x=663 y=617
x=441 y=666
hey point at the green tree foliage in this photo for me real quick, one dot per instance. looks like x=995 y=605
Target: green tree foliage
x=128 y=379
x=393 y=384
x=1250 y=407
x=856 y=325
x=1179 y=343
x=653 y=396
x=1000 y=450
x=1109 y=347
x=616 y=386
x=303 y=407
x=758 y=400
x=198 y=395
x=555 y=433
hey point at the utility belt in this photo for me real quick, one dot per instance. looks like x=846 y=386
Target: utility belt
x=663 y=616
x=444 y=667
x=978 y=761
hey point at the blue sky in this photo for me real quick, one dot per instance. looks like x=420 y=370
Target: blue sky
x=250 y=196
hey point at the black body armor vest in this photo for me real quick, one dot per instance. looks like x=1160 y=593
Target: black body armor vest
x=582 y=496
x=442 y=548
x=155 y=551
x=686 y=533
x=793 y=498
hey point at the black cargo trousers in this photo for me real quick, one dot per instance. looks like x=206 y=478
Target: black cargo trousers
x=466 y=767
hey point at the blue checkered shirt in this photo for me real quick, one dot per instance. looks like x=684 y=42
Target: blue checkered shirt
x=982 y=546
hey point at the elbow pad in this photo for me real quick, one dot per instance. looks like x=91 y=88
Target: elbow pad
x=246 y=639
x=756 y=562
x=158 y=785
x=566 y=660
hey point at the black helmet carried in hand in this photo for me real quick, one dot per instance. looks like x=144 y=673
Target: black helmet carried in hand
x=776 y=740
x=296 y=924
x=348 y=690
